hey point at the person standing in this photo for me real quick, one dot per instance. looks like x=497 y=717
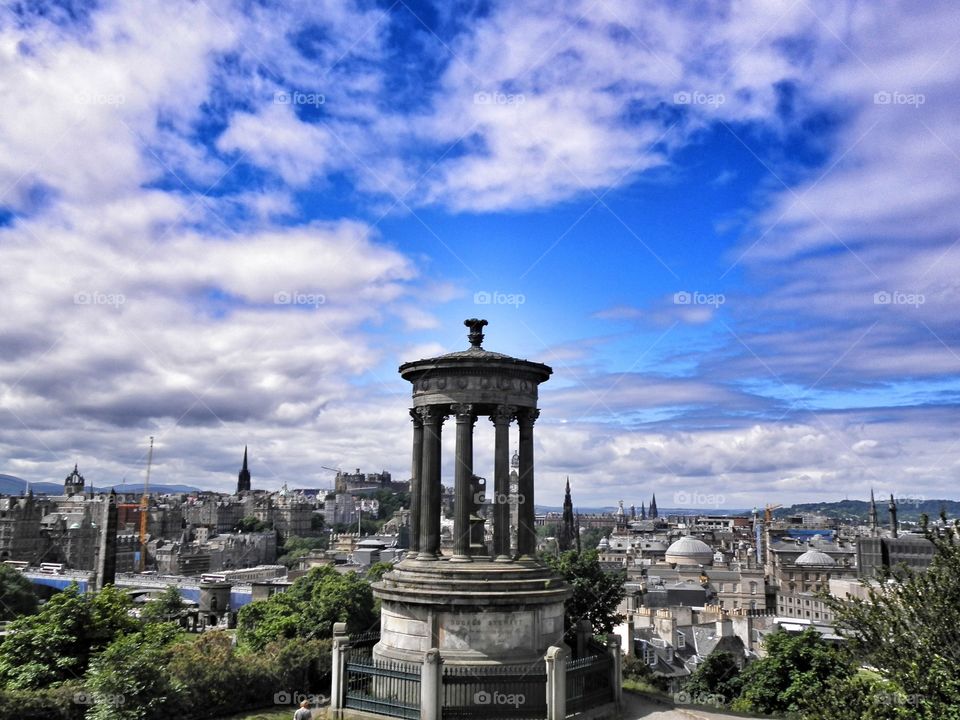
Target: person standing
x=304 y=712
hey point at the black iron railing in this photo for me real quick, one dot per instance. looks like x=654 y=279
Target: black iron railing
x=383 y=687
x=589 y=682
x=495 y=692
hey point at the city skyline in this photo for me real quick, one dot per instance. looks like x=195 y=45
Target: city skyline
x=730 y=232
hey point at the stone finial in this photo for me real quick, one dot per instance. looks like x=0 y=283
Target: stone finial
x=476 y=331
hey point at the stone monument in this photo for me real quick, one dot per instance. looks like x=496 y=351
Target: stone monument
x=476 y=606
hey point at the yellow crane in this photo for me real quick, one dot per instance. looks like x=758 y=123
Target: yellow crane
x=768 y=513
x=144 y=508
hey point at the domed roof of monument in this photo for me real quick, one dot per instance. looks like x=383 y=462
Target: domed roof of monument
x=814 y=557
x=477 y=353
x=689 y=551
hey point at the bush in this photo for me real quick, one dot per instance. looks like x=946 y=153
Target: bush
x=67 y=701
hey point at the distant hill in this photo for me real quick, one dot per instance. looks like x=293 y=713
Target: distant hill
x=12 y=485
x=907 y=509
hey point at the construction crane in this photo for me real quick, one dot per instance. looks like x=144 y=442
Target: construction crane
x=144 y=507
x=768 y=513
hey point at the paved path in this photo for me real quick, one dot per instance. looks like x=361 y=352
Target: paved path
x=638 y=707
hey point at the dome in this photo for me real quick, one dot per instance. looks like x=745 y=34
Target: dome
x=814 y=557
x=689 y=551
x=604 y=544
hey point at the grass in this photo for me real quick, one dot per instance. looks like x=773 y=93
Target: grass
x=282 y=713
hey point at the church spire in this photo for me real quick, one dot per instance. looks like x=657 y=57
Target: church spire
x=568 y=530
x=893 y=517
x=873 y=513
x=653 y=507
x=243 y=479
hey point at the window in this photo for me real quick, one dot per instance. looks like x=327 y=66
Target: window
x=753 y=588
x=681 y=640
x=719 y=587
x=649 y=655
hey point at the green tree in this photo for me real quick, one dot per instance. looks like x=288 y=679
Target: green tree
x=391 y=501
x=309 y=609
x=717 y=675
x=166 y=607
x=596 y=593
x=908 y=631
x=16 y=594
x=252 y=524
x=796 y=669
x=296 y=547
x=56 y=644
x=376 y=571
x=130 y=679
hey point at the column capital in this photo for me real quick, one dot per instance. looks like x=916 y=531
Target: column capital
x=528 y=416
x=430 y=414
x=415 y=416
x=463 y=411
x=503 y=414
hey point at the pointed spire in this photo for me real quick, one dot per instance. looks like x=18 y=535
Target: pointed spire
x=653 y=507
x=894 y=527
x=873 y=512
x=243 y=479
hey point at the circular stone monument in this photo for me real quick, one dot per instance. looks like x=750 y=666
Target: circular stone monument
x=476 y=606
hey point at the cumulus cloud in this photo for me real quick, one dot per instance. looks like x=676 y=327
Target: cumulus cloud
x=160 y=275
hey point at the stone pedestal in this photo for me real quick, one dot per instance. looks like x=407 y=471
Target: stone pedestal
x=478 y=613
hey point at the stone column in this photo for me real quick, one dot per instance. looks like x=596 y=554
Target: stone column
x=338 y=675
x=463 y=502
x=556 y=662
x=613 y=647
x=429 y=548
x=431 y=685
x=501 y=472
x=415 y=469
x=526 y=516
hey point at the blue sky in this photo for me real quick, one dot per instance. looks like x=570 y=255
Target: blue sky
x=731 y=229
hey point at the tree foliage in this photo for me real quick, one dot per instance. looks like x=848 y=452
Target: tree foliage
x=908 y=632
x=166 y=607
x=596 y=593
x=16 y=594
x=56 y=644
x=796 y=669
x=252 y=524
x=717 y=675
x=309 y=609
x=296 y=547
x=129 y=680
